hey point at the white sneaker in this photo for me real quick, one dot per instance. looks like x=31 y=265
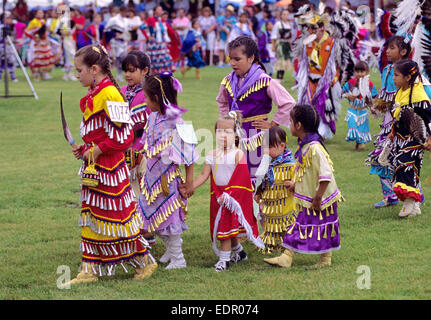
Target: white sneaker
x=66 y=77
x=221 y=266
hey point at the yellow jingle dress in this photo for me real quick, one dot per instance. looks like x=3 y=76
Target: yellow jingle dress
x=277 y=204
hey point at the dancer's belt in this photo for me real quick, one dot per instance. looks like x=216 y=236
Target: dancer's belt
x=258 y=117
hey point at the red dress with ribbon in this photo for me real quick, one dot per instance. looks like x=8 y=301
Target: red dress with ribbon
x=233 y=216
x=110 y=224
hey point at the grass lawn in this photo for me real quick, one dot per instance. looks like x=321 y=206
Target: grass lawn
x=39 y=211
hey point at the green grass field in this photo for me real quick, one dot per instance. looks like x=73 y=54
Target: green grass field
x=39 y=211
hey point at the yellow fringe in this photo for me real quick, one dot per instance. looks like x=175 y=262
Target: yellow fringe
x=307 y=159
x=160 y=147
x=152 y=197
x=164 y=215
x=258 y=85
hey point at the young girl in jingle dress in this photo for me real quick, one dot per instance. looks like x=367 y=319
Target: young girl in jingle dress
x=397 y=49
x=316 y=229
x=110 y=225
x=136 y=66
x=250 y=90
x=410 y=135
x=359 y=91
x=276 y=202
x=167 y=143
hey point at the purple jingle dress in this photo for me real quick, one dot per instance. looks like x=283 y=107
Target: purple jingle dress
x=161 y=205
x=253 y=95
x=314 y=232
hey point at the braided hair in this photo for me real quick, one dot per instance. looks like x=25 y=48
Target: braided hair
x=97 y=55
x=250 y=48
x=408 y=68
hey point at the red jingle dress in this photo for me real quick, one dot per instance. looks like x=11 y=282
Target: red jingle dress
x=109 y=221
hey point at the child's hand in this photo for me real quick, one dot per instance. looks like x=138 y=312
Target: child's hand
x=317 y=201
x=96 y=153
x=289 y=185
x=257 y=197
x=182 y=190
x=261 y=124
x=77 y=152
x=186 y=189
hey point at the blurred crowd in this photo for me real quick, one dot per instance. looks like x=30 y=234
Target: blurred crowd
x=49 y=37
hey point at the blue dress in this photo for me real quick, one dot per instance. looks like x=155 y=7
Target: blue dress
x=194 y=57
x=357 y=114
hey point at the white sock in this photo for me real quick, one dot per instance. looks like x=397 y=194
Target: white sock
x=224 y=256
x=238 y=248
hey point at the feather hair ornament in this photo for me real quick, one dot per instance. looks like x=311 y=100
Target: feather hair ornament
x=238 y=128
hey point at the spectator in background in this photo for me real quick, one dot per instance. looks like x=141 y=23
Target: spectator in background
x=267 y=55
x=281 y=44
x=266 y=16
x=155 y=31
x=80 y=34
x=208 y=25
x=225 y=21
x=21 y=11
x=243 y=27
x=292 y=20
x=106 y=15
x=131 y=5
x=182 y=4
x=150 y=5
x=165 y=17
x=117 y=27
x=251 y=16
x=134 y=22
x=141 y=6
x=181 y=24
x=172 y=17
x=167 y=5
x=95 y=29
